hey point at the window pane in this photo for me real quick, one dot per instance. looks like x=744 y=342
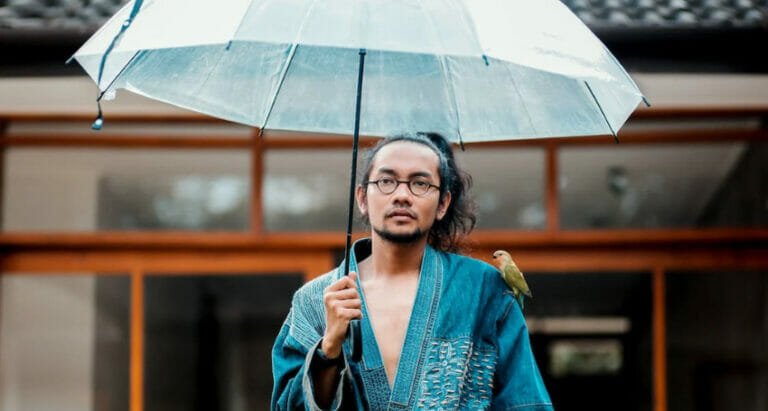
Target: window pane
x=64 y=342
x=664 y=186
x=717 y=339
x=508 y=186
x=307 y=190
x=107 y=189
x=208 y=340
x=591 y=335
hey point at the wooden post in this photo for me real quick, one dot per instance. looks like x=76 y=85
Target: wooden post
x=659 y=341
x=137 y=341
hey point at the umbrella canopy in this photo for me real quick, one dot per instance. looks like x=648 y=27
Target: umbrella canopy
x=470 y=69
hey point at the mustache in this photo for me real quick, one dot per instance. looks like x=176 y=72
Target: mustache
x=400 y=211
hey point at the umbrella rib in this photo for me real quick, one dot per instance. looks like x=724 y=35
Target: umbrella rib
x=601 y=111
x=283 y=74
x=461 y=11
x=522 y=100
x=616 y=62
x=212 y=69
x=239 y=25
x=127 y=23
x=452 y=92
x=120 y=73
x=97 y=124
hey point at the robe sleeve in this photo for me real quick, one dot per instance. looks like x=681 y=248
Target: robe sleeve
x=294 y=354
x=518 y=383
x=291 y=369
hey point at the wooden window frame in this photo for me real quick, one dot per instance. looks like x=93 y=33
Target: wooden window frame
x=295 y=140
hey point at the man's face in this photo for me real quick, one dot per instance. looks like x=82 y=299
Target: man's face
x=401 y=216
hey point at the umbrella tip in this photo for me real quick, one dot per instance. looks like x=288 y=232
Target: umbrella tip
x=485 y=59
x=96 y=126
x=99 y=122
x=647 y=103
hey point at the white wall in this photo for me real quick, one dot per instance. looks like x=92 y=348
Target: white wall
x=702 y=90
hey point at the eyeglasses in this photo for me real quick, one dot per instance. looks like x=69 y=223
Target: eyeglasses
x=388 y=185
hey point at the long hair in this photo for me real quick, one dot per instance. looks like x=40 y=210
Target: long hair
x=447 y=234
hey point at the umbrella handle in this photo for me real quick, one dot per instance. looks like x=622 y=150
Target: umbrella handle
x=355 y=340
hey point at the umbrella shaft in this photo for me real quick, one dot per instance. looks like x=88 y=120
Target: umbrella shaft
x=353 y=167
x=355 y=333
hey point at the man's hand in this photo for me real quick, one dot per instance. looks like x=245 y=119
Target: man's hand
x=342 y=304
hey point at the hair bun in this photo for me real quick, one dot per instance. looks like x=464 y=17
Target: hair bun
x=439 y=141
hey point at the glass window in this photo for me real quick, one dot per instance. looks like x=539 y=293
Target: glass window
x=208 y=339
x=64 y=342
x=51 y=189
x=664 y=185
x=508 y=186
x=717 y=339
x=591 y=336
x=307 y=190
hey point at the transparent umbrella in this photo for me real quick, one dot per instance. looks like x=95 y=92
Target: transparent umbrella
x=473 y=70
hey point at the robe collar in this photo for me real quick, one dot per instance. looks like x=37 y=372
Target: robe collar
x=420 y=324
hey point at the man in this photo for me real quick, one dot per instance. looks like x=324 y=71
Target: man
x=440 y=330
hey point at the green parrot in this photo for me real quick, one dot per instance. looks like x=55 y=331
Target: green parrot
x=512 y=275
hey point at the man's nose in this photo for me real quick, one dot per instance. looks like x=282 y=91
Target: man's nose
x=402 y=192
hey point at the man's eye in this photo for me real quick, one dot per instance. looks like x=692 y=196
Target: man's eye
x=420 y=184
x=386 y=181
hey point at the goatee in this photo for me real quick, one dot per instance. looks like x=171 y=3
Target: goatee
x=402 y=238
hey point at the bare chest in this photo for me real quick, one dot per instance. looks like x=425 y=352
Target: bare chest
x=389 y=311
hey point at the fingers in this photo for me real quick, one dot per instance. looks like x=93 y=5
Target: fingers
x=342 y=305
x=342 y=300
x=332 y=297
x=336 y=307
x=352 y=303
x=351 y=314
x=344 y=294
x=347 y=281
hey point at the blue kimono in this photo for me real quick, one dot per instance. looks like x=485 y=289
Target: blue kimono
x=466 y=346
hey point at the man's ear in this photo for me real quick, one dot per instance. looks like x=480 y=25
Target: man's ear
x=362 y=203
x=442 y=208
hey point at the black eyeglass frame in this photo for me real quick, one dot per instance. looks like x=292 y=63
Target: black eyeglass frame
x=398 y=182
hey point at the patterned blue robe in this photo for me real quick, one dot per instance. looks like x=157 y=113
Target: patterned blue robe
x=466 y=346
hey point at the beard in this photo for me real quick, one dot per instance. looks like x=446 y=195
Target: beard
x=400 y=238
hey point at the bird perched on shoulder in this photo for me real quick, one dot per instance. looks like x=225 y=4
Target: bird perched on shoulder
x=512 y=275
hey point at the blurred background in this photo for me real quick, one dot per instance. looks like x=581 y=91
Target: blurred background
x=149 y=266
